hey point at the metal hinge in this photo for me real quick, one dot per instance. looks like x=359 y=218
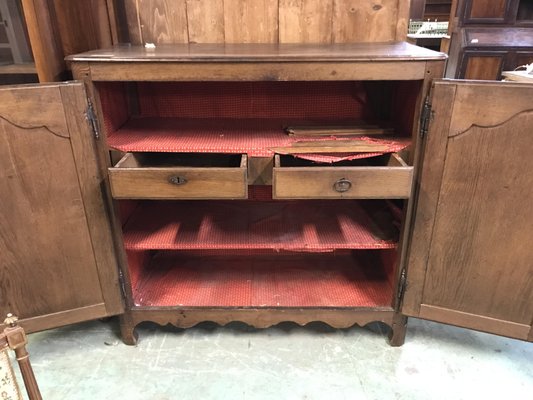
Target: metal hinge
x=402 y=284
x=91 y=118
x=122 y=284
x=425 y=118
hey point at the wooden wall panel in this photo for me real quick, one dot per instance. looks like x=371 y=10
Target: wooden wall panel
x=251 y=21
x=157 y=21
x=83 y=25
x=205 y=20
x=365 y=21
x=305 y=21
x=262 y=21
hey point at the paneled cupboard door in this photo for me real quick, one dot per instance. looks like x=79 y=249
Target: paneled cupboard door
x=471 y=255
x=57 y=261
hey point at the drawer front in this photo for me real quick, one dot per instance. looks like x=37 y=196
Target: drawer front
x=342 y=182
x=179 y=182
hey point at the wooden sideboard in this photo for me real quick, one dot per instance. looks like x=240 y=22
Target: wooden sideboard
x=165 y=188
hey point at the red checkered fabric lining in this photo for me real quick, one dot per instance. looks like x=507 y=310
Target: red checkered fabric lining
x=255 y=137
x=231 y=117
x=311 y=280
x=311 y=226
x=279 y=100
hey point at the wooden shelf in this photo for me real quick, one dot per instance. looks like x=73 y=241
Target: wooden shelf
x=175 y=279
x=318 y=226
x=255 y=137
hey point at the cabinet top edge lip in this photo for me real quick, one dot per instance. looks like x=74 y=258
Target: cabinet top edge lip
x=262 y=52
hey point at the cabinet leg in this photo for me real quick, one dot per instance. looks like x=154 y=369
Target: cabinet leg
x=127 y=330
x=398 y=330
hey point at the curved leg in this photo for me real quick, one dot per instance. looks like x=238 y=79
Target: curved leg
x=127 y=330
x=398 y=330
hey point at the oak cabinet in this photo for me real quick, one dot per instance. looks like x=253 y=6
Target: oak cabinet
x=204 y=207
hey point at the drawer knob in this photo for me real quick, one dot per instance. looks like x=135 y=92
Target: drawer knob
x=342 y=185
x=177 y=180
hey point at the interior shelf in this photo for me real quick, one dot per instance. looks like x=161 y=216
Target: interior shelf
x=317 y=226
x=257 y=137
x=262 y=280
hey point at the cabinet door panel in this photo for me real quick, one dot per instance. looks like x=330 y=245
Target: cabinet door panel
x=487 y=11
x=51 y=273
x=470 y=259
x=483 y=65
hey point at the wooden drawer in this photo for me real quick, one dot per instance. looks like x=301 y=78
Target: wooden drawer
x=179 y=176
x=383 y=177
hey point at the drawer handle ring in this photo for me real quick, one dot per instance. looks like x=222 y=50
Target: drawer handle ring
x=342 y=185
x=177 y=180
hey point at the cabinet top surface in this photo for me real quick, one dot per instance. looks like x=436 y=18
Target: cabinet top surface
x=255 y=52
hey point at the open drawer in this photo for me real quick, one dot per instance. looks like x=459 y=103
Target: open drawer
x=383 y=177
x=179 y=176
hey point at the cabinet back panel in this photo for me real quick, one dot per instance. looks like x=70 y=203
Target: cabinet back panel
x=262 y=21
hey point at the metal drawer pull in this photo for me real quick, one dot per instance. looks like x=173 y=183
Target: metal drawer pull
x=177 y=180
x=342 y=185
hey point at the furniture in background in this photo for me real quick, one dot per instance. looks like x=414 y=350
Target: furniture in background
x=16 y=61
x=14 y=338
x=488 y=37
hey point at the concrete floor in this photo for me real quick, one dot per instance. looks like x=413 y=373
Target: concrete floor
x=88 y=361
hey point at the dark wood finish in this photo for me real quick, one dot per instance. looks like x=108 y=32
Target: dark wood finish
x=215 y=62
x=262 y=318
x=483 y=27
x=57 y=28
x=49 y=192
x=230 y=53
x=132 y=178
x=469 y=263
x=392 y=180
x=416 y=11
x=270 y=71
x=486 y=11
x=484 y=66
x=382 y=61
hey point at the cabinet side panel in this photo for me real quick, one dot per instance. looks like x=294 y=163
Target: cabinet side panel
x=47 y=261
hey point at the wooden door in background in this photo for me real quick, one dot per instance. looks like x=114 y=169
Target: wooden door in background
x=470 y=259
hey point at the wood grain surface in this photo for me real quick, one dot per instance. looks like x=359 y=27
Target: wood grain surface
x=471 y=244
x=262 y=21
x=48 y=264
x=201 y=183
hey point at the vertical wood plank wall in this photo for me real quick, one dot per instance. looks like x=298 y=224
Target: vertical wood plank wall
x=261 y=21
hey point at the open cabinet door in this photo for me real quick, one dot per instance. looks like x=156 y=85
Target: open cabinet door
x=470 y=260
x=57 y=260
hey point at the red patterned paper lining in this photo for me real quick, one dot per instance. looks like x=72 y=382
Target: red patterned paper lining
x=313 y=226
x=312 y=280
x=255 y=137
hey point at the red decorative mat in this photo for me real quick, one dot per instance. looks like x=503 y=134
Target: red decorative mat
x=317 y=226
x=310 y=280
x=255 y=137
